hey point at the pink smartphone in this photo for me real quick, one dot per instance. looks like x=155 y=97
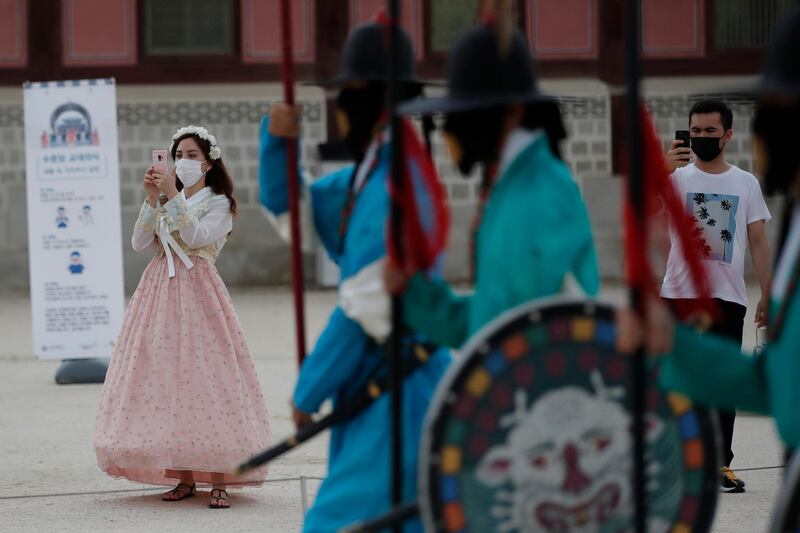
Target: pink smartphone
x=160 y=158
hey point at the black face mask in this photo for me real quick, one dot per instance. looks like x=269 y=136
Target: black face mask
x=478 y=135
x=776 y=127
x=547 y=116
x=706 y=148
x=363 y=107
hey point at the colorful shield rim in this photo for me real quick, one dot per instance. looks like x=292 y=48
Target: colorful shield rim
x=543 y=347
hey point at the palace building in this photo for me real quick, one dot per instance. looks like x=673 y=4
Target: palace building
x=217 y=63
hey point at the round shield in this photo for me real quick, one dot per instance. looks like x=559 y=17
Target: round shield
x=530 y=431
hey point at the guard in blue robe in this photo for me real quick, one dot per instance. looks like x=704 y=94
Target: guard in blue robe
x=350 y=210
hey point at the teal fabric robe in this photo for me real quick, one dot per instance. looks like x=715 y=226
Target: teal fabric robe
x=534 y=230
x=713 y=371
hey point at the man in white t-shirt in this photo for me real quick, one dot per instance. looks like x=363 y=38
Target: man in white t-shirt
x=730 y=213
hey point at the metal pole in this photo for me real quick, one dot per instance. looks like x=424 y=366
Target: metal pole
x=292 y=173
x=396 y=370
x=303 y=494
x=636 y=196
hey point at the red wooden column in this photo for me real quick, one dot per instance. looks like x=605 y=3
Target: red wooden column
x=612 y=72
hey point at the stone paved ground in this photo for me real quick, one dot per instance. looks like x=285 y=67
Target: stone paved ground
x=50 y=481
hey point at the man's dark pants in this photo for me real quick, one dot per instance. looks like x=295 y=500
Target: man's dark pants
x=730 y=324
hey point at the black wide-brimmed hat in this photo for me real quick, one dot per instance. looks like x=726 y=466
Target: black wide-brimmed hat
x=365 y=57
x=479 y=75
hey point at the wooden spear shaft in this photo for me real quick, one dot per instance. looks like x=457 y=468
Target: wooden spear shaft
x=292 y=174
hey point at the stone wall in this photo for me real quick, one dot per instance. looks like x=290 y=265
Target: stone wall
x=148 y=116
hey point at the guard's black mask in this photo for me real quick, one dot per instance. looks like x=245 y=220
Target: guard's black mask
x=547 y=116
x=363 y=108
x=477 y=134
x=776 y=128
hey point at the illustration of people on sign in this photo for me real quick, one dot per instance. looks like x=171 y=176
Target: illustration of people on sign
x=61 y=218
x=44 y=139
x=76 y=263
x=86 y=216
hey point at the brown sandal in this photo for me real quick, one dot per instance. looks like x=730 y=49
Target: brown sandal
x=219 y=501
x=180 y=493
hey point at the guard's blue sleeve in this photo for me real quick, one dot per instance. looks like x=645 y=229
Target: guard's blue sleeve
x=273 y=184
x=328 y=194
x=337 y=357
x=328 y=201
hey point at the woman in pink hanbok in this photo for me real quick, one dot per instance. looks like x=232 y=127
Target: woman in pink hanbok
x=181 y=401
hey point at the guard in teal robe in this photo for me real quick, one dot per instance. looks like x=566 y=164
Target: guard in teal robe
x=534 y=231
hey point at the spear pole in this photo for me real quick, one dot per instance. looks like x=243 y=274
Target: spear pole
x=635 y=191
x=292 y=174
x=396 y=356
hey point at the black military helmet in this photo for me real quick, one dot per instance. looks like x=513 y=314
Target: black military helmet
x=480 y=76
x=366 y=56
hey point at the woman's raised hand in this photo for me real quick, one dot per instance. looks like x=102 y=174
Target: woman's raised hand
x=164 y=182
x=150 y=188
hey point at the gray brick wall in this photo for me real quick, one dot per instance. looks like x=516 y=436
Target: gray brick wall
x=254 y=254
x=13 y=224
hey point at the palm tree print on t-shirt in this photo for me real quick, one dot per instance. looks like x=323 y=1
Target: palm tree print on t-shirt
x=715 y=218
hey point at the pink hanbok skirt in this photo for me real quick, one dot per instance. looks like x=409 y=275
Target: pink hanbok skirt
x=181 y=391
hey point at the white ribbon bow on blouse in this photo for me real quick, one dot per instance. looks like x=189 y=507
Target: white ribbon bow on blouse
x=169 y=243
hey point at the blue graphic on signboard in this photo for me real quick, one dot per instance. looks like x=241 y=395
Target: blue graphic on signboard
x=76 y=263
x=70 y=125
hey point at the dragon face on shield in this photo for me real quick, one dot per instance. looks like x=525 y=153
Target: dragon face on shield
x=568 y=460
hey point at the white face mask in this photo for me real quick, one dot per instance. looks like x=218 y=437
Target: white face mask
x=189 y=171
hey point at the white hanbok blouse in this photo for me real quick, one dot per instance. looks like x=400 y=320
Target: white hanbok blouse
x=197 y=226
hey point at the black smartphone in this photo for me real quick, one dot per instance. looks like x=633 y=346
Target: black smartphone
x=683 y=135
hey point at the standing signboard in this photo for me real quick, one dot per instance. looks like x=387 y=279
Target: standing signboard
x=74 y=225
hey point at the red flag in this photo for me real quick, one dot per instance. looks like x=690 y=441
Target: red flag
x=426 y=218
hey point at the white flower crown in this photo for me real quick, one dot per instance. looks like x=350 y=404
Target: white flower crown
x=200 y=131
